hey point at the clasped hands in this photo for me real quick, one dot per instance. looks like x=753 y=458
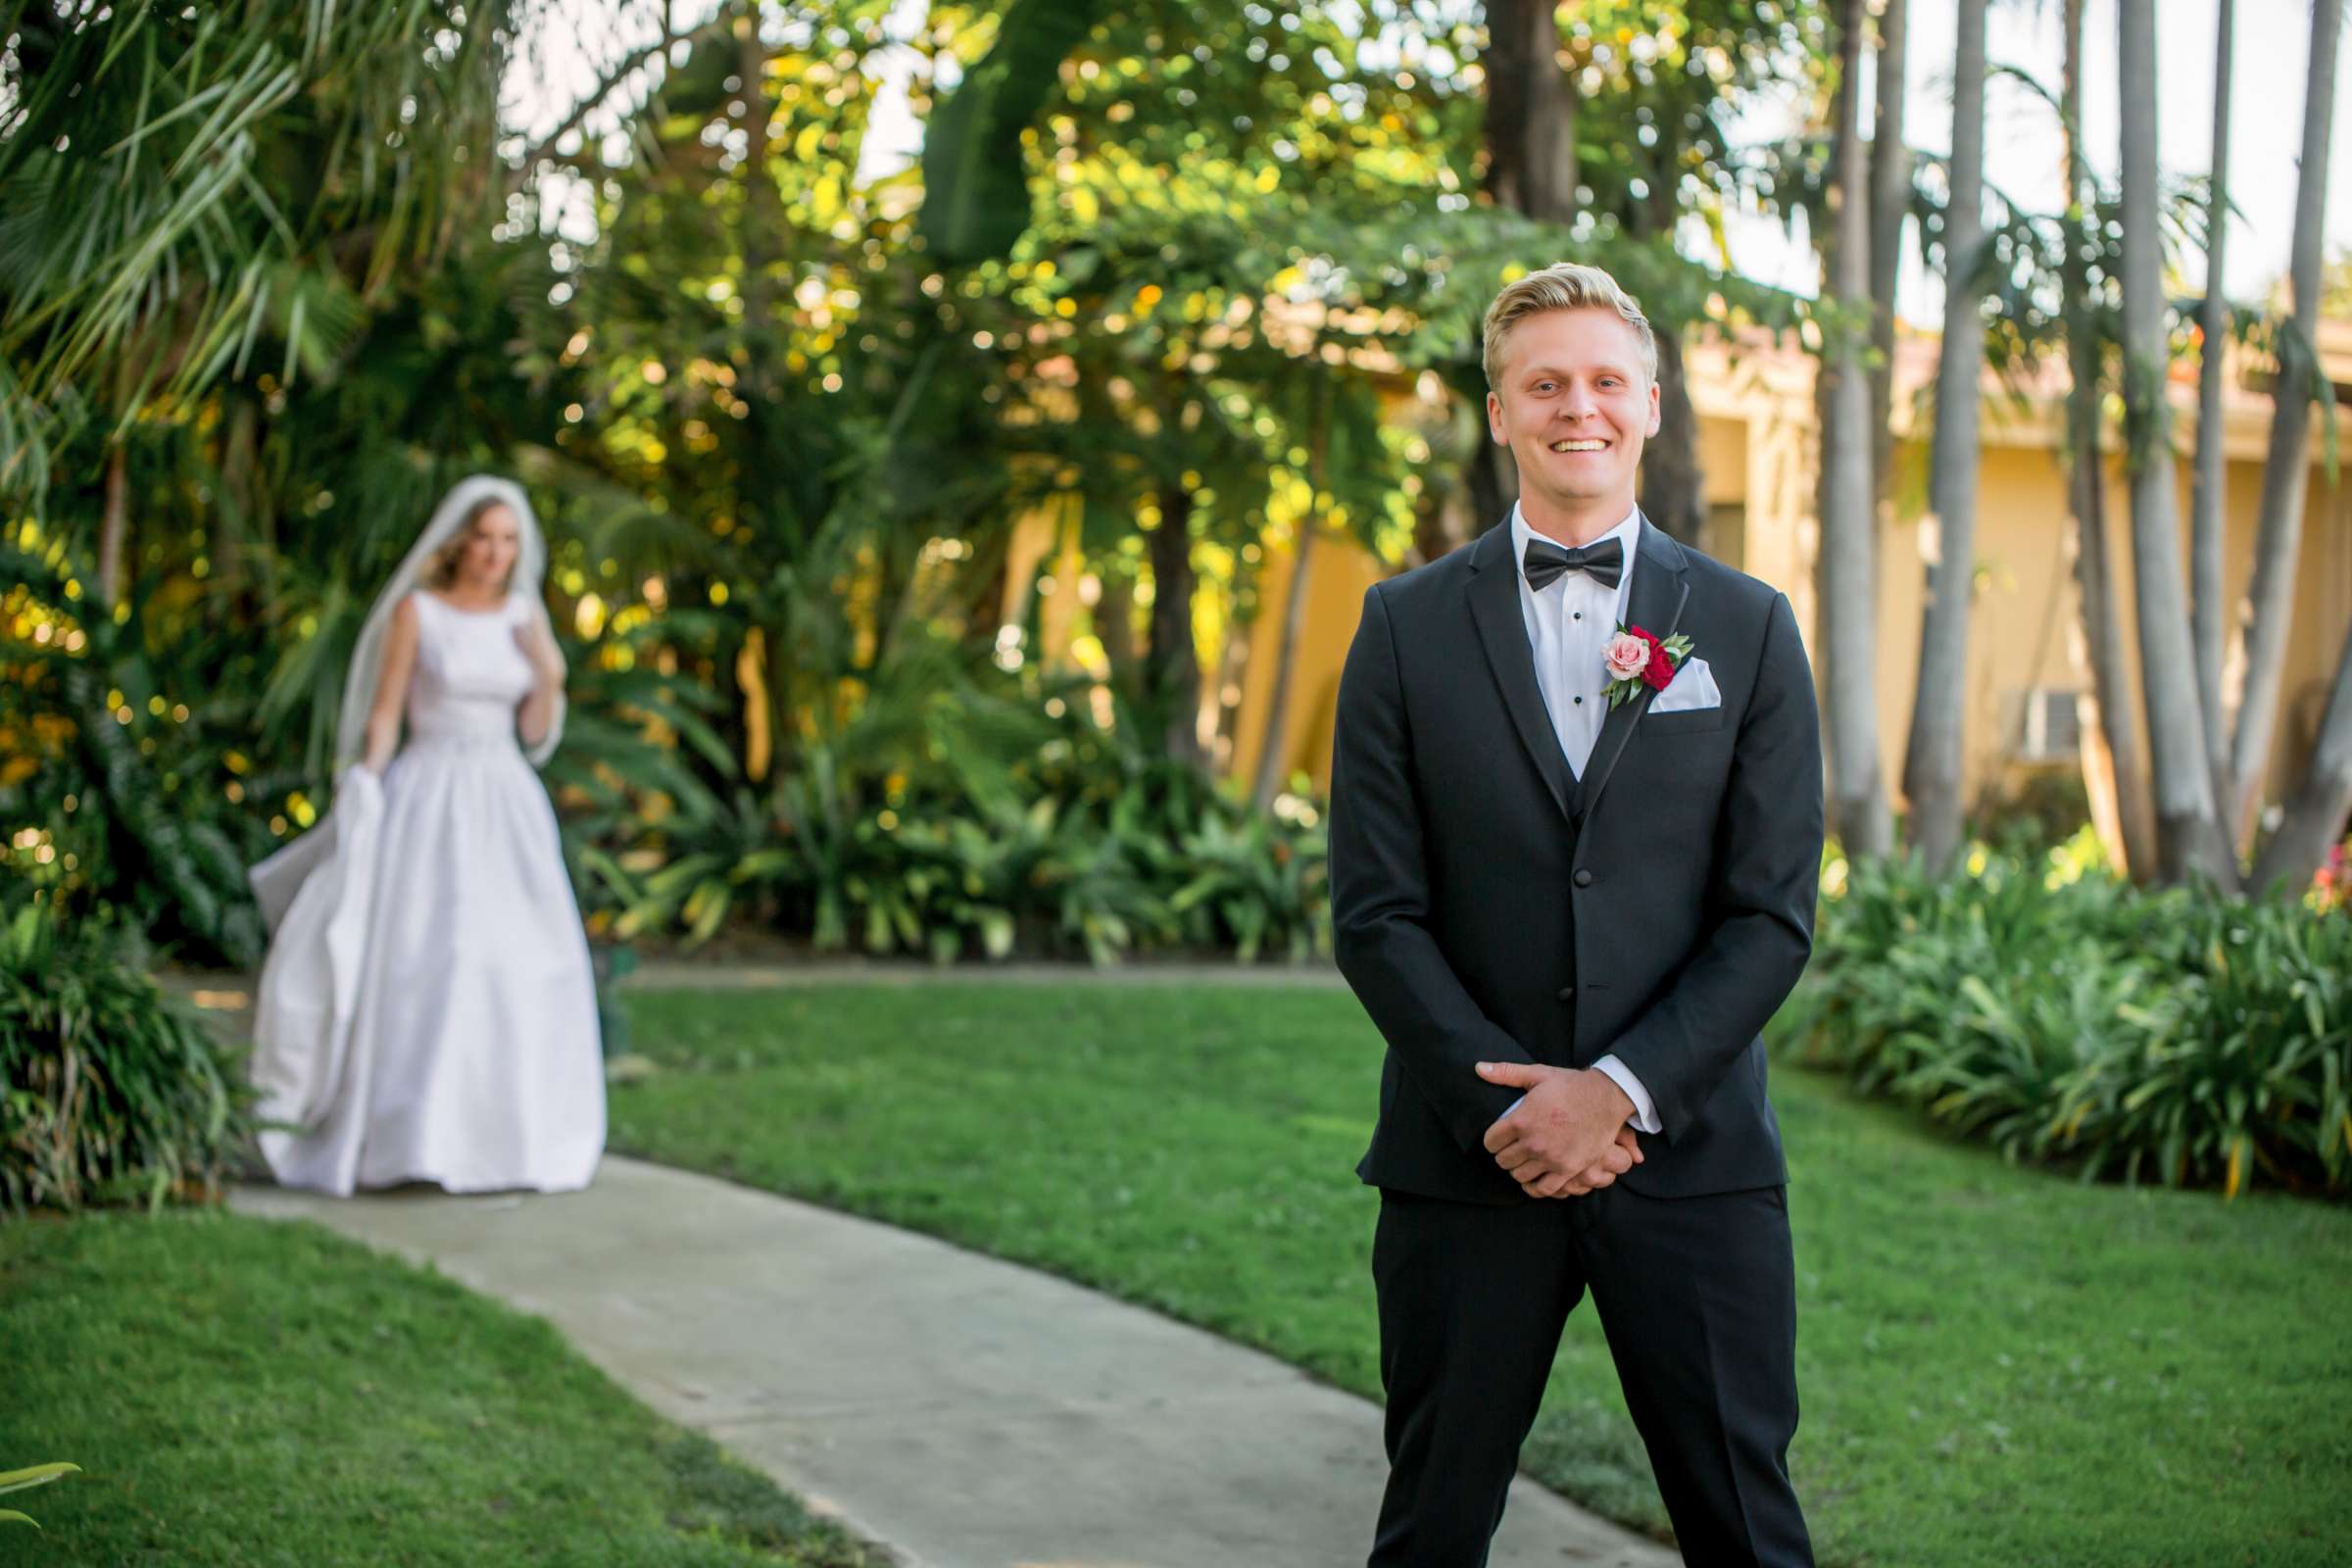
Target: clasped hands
x=1568 y=1137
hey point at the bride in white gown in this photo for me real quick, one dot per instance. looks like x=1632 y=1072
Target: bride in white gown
x=427 y=1012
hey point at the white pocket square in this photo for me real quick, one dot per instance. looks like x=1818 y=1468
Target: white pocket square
x=1692 y=688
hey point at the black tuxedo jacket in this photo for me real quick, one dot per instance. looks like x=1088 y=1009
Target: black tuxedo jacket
x=1490 y=906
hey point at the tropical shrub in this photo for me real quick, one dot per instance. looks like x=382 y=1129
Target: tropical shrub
x=2176 y=1036
x=131 y=779
x=953 y=811
x=109 y=1092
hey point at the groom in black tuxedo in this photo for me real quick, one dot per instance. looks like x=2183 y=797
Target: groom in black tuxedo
x=1570 y=897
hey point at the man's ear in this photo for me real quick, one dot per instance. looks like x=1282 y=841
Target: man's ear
x=1495 y=421
x=1657 y=415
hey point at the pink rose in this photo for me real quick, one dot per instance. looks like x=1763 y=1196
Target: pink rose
x=1627 y=655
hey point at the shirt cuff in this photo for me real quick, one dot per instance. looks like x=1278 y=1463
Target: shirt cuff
x=1646 y=1114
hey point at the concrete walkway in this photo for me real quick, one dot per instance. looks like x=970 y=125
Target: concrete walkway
x=965 y=1411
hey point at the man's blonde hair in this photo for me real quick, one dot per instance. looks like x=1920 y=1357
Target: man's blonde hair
x=1562 y=286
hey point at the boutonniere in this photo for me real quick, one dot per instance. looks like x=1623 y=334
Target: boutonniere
x=1635 y=660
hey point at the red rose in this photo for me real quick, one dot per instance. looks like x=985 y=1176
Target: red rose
x=1655 y=672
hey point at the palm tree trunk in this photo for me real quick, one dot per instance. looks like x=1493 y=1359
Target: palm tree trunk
x=1175 y=669
x=2278 y=539
x=2188 y=834
x=1274 y=755
x=1437 y=520
x=1530 y=112
x=1890 y=204
x=2115 y=705
x=2208 y=502
x=1673 y=482
x=1233 y=661
x=239 y=442
x=1114 y=624
x=2316 y=812
x=1849 y=525
x=1824 y=226
x=763 y=213
x=1529 y=137
x=1934 y=758
x=114 y=528
x=1489 y=480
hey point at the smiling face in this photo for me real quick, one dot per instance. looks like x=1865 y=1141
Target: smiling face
x=492 y=542
x=1573 y=404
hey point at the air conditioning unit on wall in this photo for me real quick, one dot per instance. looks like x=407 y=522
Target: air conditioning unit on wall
x=2053 y=731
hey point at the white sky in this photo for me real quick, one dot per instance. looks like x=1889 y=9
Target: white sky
x=2273 y=41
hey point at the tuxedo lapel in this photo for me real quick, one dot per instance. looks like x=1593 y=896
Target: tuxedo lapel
x=1655 y=605
x=1502 y=628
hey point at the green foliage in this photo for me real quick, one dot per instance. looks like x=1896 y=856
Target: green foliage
x=947 y=808
x=130 y=772
x=25 y=1479
x=112 y=1093
x=194 y=192
x=976 y=193
x=780 y=413
x=2178 y=1036
x=160 y=749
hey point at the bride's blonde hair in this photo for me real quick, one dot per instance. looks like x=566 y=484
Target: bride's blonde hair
x=441 y=571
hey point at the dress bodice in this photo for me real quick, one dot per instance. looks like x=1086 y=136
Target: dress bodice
x=469 y=674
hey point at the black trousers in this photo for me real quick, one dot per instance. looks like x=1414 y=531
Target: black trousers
x=1697 y=1296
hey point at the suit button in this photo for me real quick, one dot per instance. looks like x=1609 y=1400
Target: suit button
x=1566 y=993
x=1582 y=877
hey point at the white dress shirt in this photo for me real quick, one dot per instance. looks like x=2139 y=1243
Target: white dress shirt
x=1568 y=624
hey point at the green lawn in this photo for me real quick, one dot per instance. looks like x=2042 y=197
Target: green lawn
x=1998 y=1366
x=247 y=1393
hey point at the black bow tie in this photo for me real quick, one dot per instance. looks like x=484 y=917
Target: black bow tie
x=1603 y=563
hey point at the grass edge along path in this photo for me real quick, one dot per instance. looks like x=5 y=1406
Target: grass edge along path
x=241 y=1391
x=1999 y=1366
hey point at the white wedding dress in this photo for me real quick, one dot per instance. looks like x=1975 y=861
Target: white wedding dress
x=428 y=1012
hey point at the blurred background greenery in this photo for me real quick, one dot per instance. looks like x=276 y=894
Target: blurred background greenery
x=916 y=507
